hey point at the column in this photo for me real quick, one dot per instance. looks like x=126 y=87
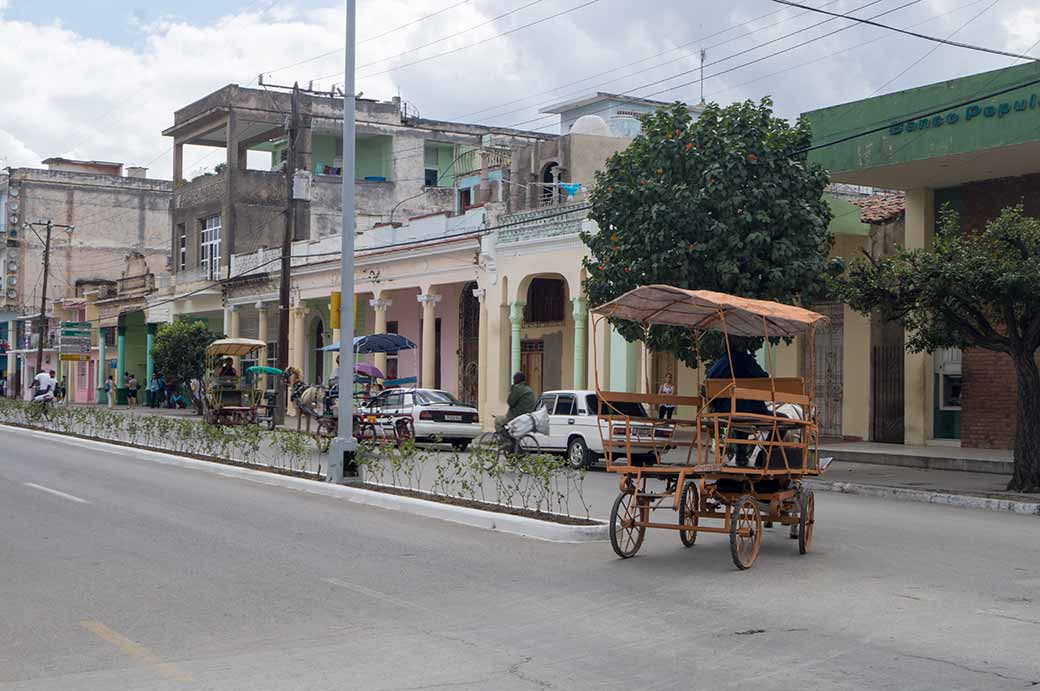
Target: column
x=178 y=163
x=149 y=362
x=516 y=320
x=12 y=359
x=580 y=312
x=380 y=306
x=482 y=350
x=917 y=367
x=102 y=366
x=262 y=328
x=297 y=339
x=234 y=330
x=429 y=339
x=120 y=364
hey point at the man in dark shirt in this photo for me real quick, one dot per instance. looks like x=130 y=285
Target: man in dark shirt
x=743 y=366
x=521 y=401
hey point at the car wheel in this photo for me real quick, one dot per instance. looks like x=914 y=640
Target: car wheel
x=460 y=444
x=578 y=453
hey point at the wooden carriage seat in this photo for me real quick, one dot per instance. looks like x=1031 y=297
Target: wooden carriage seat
x=788 y=390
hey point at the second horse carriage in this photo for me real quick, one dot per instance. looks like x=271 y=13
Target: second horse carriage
x=739 y=459
x=229 y=398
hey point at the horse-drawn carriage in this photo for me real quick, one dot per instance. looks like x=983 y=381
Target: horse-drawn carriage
x=737 y=455
x=319 y=404
x=228 y=397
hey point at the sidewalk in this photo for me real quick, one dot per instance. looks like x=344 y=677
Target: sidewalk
x=960 y=488
x=938 y=457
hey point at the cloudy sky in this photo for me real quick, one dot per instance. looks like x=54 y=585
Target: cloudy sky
x=101 y=79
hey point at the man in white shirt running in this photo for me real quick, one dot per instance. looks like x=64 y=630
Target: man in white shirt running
x=44 y=385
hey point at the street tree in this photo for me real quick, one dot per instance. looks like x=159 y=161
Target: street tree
x=721 y=202
x=970 y=289
x=179 y=351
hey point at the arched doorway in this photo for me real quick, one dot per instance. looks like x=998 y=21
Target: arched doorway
x=319 y=355
x=469 y=345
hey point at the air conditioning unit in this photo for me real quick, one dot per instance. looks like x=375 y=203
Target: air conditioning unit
x=12 y=265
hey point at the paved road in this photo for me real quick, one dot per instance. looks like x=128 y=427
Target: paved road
x=118 y=573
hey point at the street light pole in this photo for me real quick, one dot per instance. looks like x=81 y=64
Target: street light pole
x=41 y=321
x=341 y=458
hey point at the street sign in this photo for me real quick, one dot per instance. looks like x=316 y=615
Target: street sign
x=67 y=357
x=76 y=326
x=74 y=333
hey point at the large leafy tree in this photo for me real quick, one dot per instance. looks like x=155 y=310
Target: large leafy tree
x=970 y=289
x=179 y=350
x=722 y=203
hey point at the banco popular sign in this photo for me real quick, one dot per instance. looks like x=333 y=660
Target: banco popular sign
x=967 y=114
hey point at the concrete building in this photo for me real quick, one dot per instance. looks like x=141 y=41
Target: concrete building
x=946 y=143
x=116 y=212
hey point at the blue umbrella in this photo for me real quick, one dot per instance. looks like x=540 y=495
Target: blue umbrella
x=376 y=343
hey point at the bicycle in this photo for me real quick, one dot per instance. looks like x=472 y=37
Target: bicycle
x=506 y=446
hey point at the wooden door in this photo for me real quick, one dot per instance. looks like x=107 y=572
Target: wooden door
x=886 y=383
x=827 y=361
x=531 y=364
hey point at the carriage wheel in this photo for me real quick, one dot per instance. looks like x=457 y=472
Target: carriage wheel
x=625 y=537
x=806 y=518
x=747 y=519
x=528 y=444
x=689 y=505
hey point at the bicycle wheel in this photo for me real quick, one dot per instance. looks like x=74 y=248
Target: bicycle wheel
x=528 y=444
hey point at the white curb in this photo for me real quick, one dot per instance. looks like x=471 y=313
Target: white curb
x=961 y=501
x=489 y=520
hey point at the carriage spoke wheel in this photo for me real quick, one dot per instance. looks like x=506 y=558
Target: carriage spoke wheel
x=745 y=532
x=689 y=506
x=626 y=537
x=806 y=518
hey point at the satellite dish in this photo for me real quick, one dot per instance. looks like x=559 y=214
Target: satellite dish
x=591 y=124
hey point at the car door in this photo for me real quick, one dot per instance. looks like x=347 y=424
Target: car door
x=548 y=402
x=563 y=420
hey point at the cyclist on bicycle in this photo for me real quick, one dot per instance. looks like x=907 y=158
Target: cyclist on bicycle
x=521 y=401
x=43 y=383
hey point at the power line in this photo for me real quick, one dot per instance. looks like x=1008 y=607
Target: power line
x=926 y=37
x=371 y=38
x=471 y=45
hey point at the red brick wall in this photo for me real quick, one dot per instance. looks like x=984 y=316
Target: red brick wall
x=988 y=378
x=987 y=400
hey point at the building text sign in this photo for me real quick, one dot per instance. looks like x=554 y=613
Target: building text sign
x=968 y=114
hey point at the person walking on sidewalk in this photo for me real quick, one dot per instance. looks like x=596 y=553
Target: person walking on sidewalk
x=153 y=391
x=131 y=391
x=110 y=391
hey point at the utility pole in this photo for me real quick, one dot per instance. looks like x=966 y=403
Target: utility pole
x=282 y=402
x=344 y=446
x=704 y=54
x=42 y=318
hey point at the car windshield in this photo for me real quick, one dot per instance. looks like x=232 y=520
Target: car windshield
x=631 y=409
x=434 y=397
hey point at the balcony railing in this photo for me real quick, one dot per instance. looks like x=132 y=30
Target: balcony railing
x=555 y=221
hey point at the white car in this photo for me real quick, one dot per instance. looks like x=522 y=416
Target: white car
x=436 y=415
x=574 y=427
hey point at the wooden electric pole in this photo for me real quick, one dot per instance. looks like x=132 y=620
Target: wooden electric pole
x=41 y=321
x=286 y=259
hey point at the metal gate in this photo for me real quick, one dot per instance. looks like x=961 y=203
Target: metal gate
x=886 y=393
x=827 y=361
x=469 y=346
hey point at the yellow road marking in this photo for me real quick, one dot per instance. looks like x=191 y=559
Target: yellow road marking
x=136 y=651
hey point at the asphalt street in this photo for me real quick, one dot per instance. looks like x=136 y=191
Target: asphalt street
x=121 y=573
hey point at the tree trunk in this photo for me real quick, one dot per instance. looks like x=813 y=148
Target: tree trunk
x=1026 y=474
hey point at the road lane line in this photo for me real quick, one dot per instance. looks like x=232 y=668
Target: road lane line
x=136 y=651
x=375 y=594
x=55 y=492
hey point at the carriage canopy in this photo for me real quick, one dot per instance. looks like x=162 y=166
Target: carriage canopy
x=233 y=347
x=706 y=310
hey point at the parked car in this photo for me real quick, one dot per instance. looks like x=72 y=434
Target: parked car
x=436 y=415
x=574 y=426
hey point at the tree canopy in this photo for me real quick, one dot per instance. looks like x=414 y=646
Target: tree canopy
x=179 y=350
x=720 y=202
x=970 y=288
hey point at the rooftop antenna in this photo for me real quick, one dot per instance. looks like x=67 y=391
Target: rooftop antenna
x=704 y=54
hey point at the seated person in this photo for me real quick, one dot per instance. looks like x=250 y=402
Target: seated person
x=743 y=366
x=521 y=401
x=228 y=368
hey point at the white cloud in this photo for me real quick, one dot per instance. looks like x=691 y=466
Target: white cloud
x=70 y=94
